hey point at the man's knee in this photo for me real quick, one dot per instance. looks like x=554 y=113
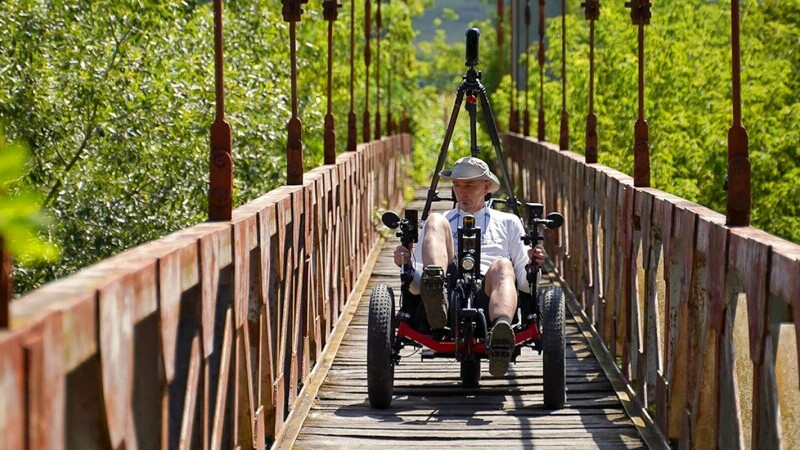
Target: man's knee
x=501 y=268
x=437 y=223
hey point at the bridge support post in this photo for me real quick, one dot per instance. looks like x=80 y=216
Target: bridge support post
x=640 y=15
x=292 y=12
x=738 y=203
x=592 y=13
x=220 y=189
x=330 y=11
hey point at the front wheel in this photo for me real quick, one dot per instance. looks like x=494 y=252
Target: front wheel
x=553 y=348
x=380 y=340
x=471 y=372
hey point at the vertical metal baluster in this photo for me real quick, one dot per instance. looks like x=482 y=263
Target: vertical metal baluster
x=500 y=31
x=526 y=120
x=512 y=105
x=390 y=128
x=592 y=13
x=292 y=13
x=330 y=11
x=379 y=25
x=220 y=189
x=367 y=57
x=739 y=171
x=563 y=142
x=540 y=135
x=640 y=16
x=351 y=115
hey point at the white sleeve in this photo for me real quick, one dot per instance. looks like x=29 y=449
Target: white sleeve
x=518 y=252
x=416 y=263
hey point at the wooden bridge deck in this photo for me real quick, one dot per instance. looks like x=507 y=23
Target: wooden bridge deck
x=431 y=409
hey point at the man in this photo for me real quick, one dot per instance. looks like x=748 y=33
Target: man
x=503 y=257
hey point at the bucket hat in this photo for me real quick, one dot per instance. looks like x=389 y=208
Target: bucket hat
x=471 y=168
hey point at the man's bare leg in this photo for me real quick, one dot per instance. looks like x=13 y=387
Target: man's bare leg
x=437 y=252
x=501 y=287
x=437 y=245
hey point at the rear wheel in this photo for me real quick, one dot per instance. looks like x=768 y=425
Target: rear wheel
x=380 y=340
x=553 y=343
x=471 y=372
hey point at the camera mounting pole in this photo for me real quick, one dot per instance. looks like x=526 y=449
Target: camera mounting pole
x=474 y=89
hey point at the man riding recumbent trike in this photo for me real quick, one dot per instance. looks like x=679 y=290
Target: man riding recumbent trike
x=468 y=290
x=469 y=280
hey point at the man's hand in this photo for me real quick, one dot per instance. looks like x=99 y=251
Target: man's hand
x=402 y=255
x=537 y=254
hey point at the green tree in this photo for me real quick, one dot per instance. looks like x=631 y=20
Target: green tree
x=116 y=99
x=687 y=98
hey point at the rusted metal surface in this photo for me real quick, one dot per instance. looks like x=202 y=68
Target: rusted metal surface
x=379 y=25
x=592 y=13
x=330 y=11
x=201 y=339
x=640 y=16
x=663 y=288
x=513 y=113
x=365 y=127
x=391 y=126
x=738 y=205
x=540 y=56
x=220 y=188
x=351 y=115
x=526 y=119
x=292 y=13
x=563 y=141
x=6 y=286
x=500 y=31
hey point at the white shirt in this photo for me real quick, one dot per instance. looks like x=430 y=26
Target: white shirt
x=501 y=237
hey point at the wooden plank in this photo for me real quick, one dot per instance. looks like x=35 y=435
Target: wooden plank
x=215 y=253
x=192 y=395
x=46 y=394
x=12 y=392
x=430 y=405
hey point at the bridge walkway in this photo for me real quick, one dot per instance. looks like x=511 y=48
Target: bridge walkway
x=431 y=408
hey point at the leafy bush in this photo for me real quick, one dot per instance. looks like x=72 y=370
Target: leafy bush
x=20 y=215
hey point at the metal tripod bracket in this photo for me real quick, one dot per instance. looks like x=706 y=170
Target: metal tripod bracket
x=474 y=89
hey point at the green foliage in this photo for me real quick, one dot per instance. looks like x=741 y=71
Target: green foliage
x=116 y=100
x=687 y=98
x=20 y=217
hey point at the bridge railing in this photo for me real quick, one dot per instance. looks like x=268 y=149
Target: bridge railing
x=206 y=336
x=703 y=319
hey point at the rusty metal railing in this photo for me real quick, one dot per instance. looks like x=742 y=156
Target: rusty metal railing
x=700 y=311
x=203 y=338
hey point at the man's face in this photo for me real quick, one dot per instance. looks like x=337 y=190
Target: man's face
x=470 y=194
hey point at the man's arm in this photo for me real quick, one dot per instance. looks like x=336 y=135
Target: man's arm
x=520 y=254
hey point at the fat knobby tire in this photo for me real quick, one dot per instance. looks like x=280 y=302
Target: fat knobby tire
x=553 y=343
x=380 y=338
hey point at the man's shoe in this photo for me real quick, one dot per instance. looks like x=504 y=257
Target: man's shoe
x=434 y=296
x=501 y=346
